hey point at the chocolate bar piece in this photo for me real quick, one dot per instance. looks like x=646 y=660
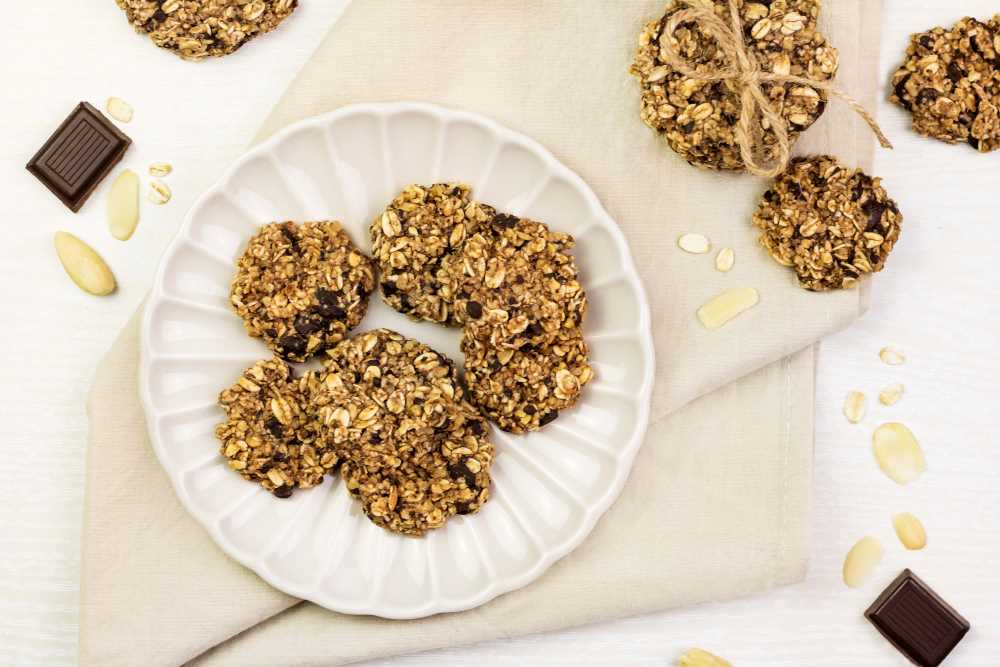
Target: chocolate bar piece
x=915 y=620
x=79 y=155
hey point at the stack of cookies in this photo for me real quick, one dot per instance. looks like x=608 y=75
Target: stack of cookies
x=509 y=282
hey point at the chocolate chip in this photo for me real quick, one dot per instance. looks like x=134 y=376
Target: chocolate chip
x=459 y=471
x=548 y=418
x=389 y=289
x=283 y=491
x=474 y=309
x=279 y=457
x=293 y=344
x=159 y=16
x=286 y=231
x=530 y=410
x=504 y=220
x=307 y=325
x=463 y=508
x=900 y=90
x=927 y=41
x=477 y=427
x=955 y=73
x=327 y=297
x=274 y=427
x=972 y=141
x=796 y=190
x=332 y=312
x=874 y=211
x=687 y=128
x=927 y=95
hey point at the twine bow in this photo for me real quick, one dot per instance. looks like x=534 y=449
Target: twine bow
x=744 y=70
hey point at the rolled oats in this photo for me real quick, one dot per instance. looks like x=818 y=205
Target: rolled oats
x=698 y=119
x=267 y=437
x=195 y=29
x=830 y=224
x=410 y=239
x=301 y=287
x=950 y=82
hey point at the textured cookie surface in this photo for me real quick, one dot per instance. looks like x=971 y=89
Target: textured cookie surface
x=412 y=236
x=950 y=82
x=267 y=436
x=829 y=223
x=195 y=29
x=697 y=118
x=301 y=288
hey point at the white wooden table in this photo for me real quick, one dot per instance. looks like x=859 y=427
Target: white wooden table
x=939 y=301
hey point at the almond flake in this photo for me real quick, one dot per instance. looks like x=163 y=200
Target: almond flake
x=725 y=260
x=123 y=205
x=160 y=169
x=695 y=244
x=861 y=561
x=898 y=453
x=727 y=305
x=159 y=193
x=891 y=356
x=119 y=109
x=855 y=406
x=696 y=657
x=891 y=394
x=910 y=531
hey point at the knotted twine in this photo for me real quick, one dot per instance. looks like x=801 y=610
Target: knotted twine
x=744 y=71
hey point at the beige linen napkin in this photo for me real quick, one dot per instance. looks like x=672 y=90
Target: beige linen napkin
x=718 y=502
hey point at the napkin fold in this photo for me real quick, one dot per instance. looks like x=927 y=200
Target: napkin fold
x=718 y=501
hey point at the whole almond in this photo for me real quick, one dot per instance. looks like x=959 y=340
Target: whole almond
x=910 y=531
x=123 y=205
x=696 y=244
x=861 y=561
x=727 y=305
x=83 y=265
x=697 y=657
x=898 y=453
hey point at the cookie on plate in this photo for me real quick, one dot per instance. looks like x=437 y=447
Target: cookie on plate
x=411 y=237
x=301 y=287
x=829 y=223
x=698 y=119
x=194 y=29
x=525 y=389
x=516 y=283
x=267 y=437
x=950 y=82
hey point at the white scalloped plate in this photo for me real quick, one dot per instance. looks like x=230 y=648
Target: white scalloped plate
x=549 y=488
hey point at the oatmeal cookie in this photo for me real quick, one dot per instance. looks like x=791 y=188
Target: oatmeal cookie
x=301 y=287
x=194 y=29
x=267 y=437
x=524 y=389
x=416 y=481
x=410 y=238
x=698 y=118
x=950 y=82
x=829 y=223
x=516 y=283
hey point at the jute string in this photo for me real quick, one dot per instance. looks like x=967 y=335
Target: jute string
x=743 y=69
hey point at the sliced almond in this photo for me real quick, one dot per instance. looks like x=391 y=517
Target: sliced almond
x=855 y=406
x=160 y=169
x=123 y=205
x=891 y=394
x=159 y=193
x=697 y=657
x=84 y=265
x=861 y=561
x=725 y=260
x=898 y=453
x=910 y=531
x=696 y=244
x=119 y=109
x=892 y=356
x=727 y=305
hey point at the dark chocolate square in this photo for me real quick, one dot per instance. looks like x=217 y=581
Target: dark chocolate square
x=915 y=620
x=79 y=155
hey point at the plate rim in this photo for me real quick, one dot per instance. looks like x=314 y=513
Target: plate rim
x=592 y=513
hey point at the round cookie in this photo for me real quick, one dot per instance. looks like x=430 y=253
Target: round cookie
x=516 y=283
x=524 y=389
x=411 y=237
x=194 y=29
x=416 y=481
x=301 y=288
x=950 y=82
x=698 y=118
x=829 y=223
x=267 y=437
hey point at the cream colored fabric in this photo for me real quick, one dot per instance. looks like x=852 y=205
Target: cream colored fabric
x=718 y=502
